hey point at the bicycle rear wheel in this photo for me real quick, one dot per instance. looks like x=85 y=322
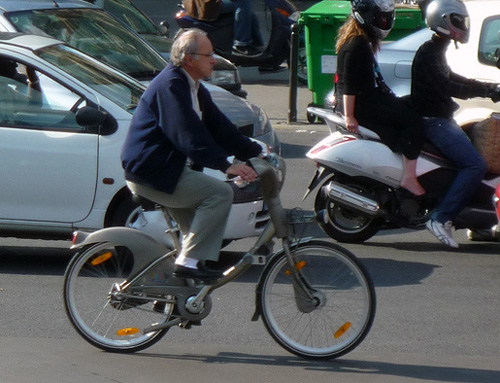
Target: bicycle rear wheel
x=101 y=313
x=339 y=316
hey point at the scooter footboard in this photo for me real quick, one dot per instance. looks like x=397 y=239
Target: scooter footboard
x=145 y=248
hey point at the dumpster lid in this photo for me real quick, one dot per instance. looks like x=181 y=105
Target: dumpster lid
x=340 y=9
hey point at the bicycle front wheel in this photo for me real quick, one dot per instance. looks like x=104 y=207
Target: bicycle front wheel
x=103 y=314
x=342 y=308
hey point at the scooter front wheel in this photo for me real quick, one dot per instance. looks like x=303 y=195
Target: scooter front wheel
x=342 y=308
x=104 y=314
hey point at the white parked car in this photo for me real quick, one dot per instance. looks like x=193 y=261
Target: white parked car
x=477 y=59
x=63 y=119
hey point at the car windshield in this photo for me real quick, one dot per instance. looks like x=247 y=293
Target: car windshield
x=110 y=83
x=128 y=14
x=96 y=33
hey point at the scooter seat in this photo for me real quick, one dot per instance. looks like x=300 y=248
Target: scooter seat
x=336 y=121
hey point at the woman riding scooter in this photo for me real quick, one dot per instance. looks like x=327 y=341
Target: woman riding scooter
x=362 y=95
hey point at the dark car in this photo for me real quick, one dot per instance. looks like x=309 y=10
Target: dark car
x=225 y=75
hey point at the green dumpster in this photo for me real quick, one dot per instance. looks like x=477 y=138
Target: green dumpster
x=321 y=23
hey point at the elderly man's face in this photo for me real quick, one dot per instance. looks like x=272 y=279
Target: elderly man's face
x=201 y=64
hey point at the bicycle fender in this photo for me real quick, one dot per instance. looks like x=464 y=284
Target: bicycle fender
x=273 y=259
x=144 y=247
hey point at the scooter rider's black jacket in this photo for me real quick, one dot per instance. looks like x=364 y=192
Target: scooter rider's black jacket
x=434 y=83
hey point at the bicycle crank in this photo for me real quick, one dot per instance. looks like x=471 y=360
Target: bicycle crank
x=191 y=310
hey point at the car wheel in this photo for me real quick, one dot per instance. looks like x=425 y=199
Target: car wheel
x=124 y=213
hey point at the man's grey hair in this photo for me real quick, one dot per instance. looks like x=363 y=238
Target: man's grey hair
x=185 y=43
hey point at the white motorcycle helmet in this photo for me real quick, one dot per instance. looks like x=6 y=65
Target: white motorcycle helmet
x=448 y=18
x=376 y=17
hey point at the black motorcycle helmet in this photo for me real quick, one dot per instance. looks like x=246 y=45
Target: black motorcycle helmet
x=376 y=17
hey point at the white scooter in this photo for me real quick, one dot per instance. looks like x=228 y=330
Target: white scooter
x=360 y=191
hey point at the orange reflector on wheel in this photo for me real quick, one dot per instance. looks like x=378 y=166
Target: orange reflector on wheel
x=127 y=331
x=101 y=258
x=342 y=330
x=299 y=266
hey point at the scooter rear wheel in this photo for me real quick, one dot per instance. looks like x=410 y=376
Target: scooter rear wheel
x=103 y=315
x=344 y=224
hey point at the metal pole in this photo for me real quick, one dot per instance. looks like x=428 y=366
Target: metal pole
x=294 y=59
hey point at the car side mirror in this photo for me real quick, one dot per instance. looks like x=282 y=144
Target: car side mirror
x=497 y=56
x=164 y=28
x=96 y=121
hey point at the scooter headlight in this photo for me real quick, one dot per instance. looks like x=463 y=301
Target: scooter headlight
x=295 y=16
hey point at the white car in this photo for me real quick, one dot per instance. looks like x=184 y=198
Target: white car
x=477 y=59
x=63 y=118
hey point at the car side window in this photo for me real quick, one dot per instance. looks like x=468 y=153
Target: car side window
x=32 y=100
x=489 y=42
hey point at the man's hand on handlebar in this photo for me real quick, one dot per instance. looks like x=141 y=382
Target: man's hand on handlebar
x=244 y=171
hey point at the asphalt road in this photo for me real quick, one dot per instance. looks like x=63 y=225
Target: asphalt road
x=437 y=318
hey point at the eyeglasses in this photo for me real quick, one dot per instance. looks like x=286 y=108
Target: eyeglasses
x=211 y=54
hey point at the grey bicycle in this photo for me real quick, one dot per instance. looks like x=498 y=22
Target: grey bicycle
x=315 y=297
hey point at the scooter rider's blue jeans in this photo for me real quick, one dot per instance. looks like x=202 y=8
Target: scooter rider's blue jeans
x=448 y=137
x=246 y=25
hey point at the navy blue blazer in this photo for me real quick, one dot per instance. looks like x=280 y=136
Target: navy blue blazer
x=165 y=131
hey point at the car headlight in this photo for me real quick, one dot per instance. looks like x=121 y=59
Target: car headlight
x=225 y=77
x=261 y=124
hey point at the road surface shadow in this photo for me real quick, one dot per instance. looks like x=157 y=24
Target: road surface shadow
x=414 y=371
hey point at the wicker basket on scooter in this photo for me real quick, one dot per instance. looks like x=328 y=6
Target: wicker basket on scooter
x=485 y=136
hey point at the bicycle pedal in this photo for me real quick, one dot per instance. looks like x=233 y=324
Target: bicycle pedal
x=159 y=307
x=188 y=324
x=259 y=260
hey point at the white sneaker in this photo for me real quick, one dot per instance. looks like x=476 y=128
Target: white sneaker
x=442 y=232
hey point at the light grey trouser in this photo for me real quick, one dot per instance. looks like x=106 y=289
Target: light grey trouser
x=200 y=205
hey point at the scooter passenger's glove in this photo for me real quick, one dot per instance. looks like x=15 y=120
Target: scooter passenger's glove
x=494 y=92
